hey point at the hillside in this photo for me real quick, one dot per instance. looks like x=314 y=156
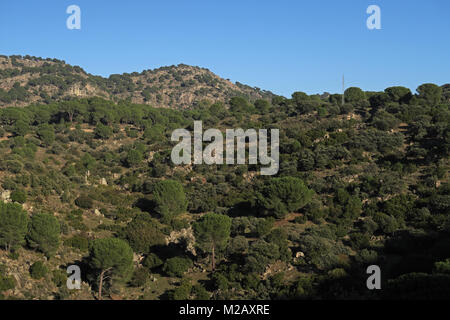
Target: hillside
x=31 y=80
x=91 y=183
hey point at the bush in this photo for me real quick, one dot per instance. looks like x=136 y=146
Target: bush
x=7 y=283
x=169 y=198
x=19 y=196
x=152 y=261
x=177 y=266
x=84 y=202
x=77 y=242
x=44 y=233
x=103 y=132
x=14 y=166
x=38 y=270
x=140 y=277
x=282 y=195
x=183 y=292
x=59 y=278
x=142 y=234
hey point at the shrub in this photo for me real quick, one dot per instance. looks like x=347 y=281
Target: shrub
x=19 y=196
x=140 y=277
x=44 y=233
x=169 y=198
x=7 y=283
x=152 y=261
x=77 y=242
x=84 y=202
x=38 y=270
x=59 y=277
x=283 y=195
x=177 y=266
x=182 y=292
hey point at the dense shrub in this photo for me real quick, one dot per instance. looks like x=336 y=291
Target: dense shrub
x=38 y=270
x=177 y=266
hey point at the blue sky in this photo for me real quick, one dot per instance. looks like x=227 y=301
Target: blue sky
x=282 y=46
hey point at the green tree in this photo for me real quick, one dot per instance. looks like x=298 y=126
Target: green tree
x=111 y=256
x=46 y=134
x=282 y=195
x=430 y=92
x=21 y=128
x=142 y=234
x=13 y=225
x=134 y=157
x=183 y=291
x=212 y=232
x=19 y=196
x=354 y=95
x=38 y=270
x=103 y=132
x=44 y=233
x=398 y=94
x=169 y=198
x=177 y=266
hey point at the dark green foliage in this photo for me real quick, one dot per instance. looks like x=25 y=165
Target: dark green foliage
x=212 y=232
x=140 y=277
x=78 y=242
x=103 y=132
x=283 y=195
x=44 y=233
x=142 y=234
x=59 y=278
x=354 y=95
x=442 y=267
x=169 y=198
x=47 y=134
x=111 y=253
x=84 y=202
x=430 y=92
x=152 y=261
x=13 y=225
x=19 y=196
x=182 y=292
x=398 y=94
x=415 y=286
x=6 y=283
x=111 y=256
x=38 y=270
x=177 y=266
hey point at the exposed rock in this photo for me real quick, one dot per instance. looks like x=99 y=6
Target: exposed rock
x=6 y=195
x=184 y=235
x=103 y=182
x=299 y=255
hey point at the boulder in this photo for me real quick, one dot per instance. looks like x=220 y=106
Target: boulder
x=6 y=195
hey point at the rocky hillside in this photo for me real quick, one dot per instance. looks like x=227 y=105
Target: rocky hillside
x=28 y=80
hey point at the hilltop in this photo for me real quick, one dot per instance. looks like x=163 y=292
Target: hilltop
x=32 y=80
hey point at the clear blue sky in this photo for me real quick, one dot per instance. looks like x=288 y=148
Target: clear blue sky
x=282 y=46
